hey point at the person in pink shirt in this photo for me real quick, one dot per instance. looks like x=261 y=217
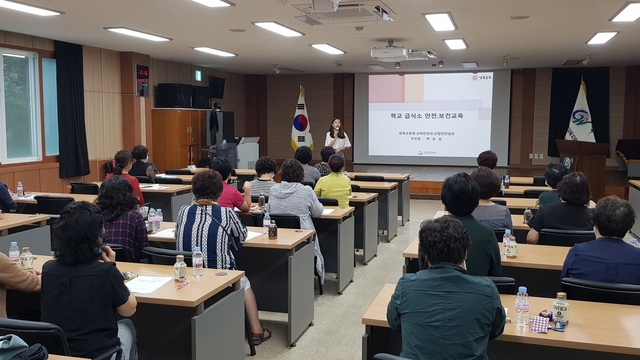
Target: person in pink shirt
x=124 y=160
x=231 y=197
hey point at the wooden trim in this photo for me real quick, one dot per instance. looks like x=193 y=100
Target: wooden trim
x=528 y=108
x=256 y=109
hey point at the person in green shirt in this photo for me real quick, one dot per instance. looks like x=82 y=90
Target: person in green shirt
x=443 y=312
x=460 y=196
x=335 y=185
x=554 y=173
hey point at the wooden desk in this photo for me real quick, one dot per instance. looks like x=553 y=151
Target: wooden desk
x=387 y=205
x=516 y=220
x=76 y=197
x=519 y=203
x=404 y=191
x=26 y=230
x=168 y=197
x=203 y=318
x=518 y=190
x=366 y=226
x=185 y=178
x=521 y=180
x=634 y=199
x=595 y=331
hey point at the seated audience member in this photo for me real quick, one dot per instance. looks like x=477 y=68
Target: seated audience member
x=123 y=224
x=335 y=185
x=304 y=155
x=124 y=160
x=493 y=215
x=291 y=197
x=82 y=290
x=6 y=201
x=141 y=166
x=216 y=238
x=570 y=214
x=231 y=197
x=553 y=175
x=12 y=276
x=607 y=258
x=323 y=167
x=265 y=168
x=460 y=196
x=433 y=305
x=487 y=159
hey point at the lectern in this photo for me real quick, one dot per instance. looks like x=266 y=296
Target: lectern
x=588 y=158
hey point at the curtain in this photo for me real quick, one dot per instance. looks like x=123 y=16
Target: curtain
x=72 y=134
x=565 y=84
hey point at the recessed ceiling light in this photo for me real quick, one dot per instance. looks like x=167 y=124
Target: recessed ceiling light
x=441 y=21
x=328 y=49
x=139 y=34
x=629 y=13
x=212 y=51
x=278 y=29
x=29 y=8
x=602 y=37
x=470 y=65
x=456 y=44
x=14 y=55
x=215 y=3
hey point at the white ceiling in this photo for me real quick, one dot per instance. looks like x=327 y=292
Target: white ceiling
x=557 y=30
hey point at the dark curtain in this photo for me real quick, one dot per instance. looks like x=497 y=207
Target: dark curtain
x=565 y=84
x=72 y=134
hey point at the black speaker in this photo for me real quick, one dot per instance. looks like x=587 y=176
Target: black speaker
x=216 y=87
x=174 y=96
x=201 y=98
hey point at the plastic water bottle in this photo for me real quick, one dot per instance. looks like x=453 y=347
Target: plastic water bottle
x=266 y=223
x=151 y=218
x=224 y=144
x=14 y=251
x=20 y=189
x=505 y=241
x=198 y=262
x=511 y=247
x=522 y=307
x=26 y=259
x=634 y=243
x=159 y=220
x=180 y=269
x=507 y=181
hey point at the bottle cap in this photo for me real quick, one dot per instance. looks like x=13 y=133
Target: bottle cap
x=14 y=243
x=522 y=289
x=197 y=248
x=180 y=257
x=273 y=222
x=151 y=210
x=634 y=240
x=507 y=231
x=159 y=210
x=561 y=295
x=266 y=213
x=26 y=249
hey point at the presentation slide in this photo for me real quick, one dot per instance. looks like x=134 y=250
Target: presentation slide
x=430 y=115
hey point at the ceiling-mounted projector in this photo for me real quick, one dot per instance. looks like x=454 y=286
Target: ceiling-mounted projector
x=390 y=54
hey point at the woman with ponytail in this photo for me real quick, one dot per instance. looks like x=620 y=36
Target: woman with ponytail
x=123 y=162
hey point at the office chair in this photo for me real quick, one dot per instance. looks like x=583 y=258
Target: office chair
x=84 y=188
x=48 y=335
x=328 y=201
x=558 y=237
x=308 y=183
x=539 y=181
x=144 y=180
x=167 y=180
x=355 y=188
x=597 y=291
x=160 y=256
x=122 y=254
x=382 y=356
x=255 y=198
x=533 y=194
x=293 y=222
x=499 y=233
x=505 y=285
x=500 y=202
x=368 y=178
x=108 y=167
x=178 y=172
x=52 y=205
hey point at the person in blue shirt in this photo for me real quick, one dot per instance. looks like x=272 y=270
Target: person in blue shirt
x=6 y=201
x=608 y=258
x=443 y=312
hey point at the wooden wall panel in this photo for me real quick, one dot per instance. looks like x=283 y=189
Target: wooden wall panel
x=42 y=43
x=173 y=72
x=112 y=123
x=349 y=83
x=50 y=181
x=7 y=179
x=110 y=61
x=93 y=113
x=30 y=179
x=19 y=39
x=617 y=85
x=92 y=68
x=185 y=76
x=541 y=116
x=3 y=37
x=631 y=125
x=256 y=110
x=515 y=128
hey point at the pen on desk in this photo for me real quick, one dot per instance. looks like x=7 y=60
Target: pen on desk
x=182 y=285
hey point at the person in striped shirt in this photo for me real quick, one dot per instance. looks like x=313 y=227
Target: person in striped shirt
x=265 y=168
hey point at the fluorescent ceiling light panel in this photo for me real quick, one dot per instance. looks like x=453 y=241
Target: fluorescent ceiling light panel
x=628 y=14
x=214 y=51
x=139 y=34
x=440 y=22
x=456 y=44
x=215 y=3
x=602 y=37
x=28 y=8
x=470 y=65
x=278 y=29
x=328 y=49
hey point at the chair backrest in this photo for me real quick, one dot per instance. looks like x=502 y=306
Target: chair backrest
x=48 y=335
x=558 y=237
x=578 y=289
x=144 y=180
x=539 y=181
x=533 y=194
x=287 y=221
x=144 y=210
x=168 y=180
x=500 y=202
x=108 y=167
x=382 y=356
x=505 y=285
x=368 y=178
x=255 y=198
x=84 y=188
x=178 y=172
x=161 y=256
x=121 y=253
x=308 y=183
x=499 y=233
x=355 y=188
x=52 y=205
x=328 y=201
